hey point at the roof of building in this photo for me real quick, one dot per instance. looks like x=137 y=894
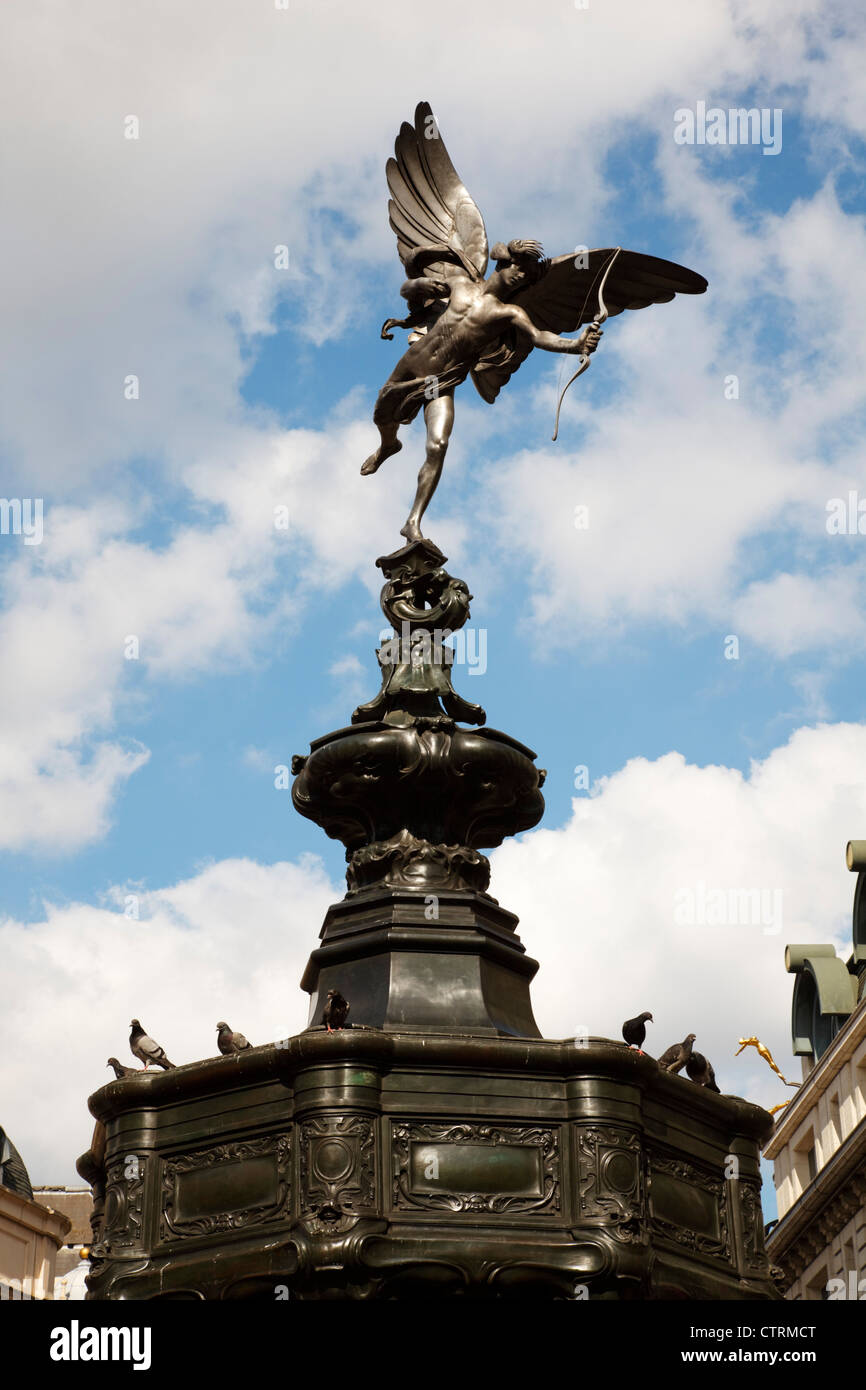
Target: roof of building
x=74 y=1202
x=13 y=1174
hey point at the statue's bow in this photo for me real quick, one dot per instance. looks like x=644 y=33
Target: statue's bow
x=585 y=359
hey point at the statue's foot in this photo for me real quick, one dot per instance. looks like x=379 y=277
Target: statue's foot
x=412 y=531
x=383 y=452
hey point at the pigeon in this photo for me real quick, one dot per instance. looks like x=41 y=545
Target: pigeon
x=120 y=1071
x=145 y=1049
x=229 y=1043
x=334 y=1015
x=676 y=1057
x=634 y=1030
x=700 y=1071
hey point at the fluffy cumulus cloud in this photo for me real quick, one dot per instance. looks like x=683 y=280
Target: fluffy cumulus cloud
x=667 y=503
x=95 y=613
x=231 y=942
x=674 y=888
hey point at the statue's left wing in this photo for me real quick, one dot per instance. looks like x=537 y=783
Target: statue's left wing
x=566 y=296
x=430 y=210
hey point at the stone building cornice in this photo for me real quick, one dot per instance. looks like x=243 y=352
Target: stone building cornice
x=828 y=1203
x=34 y=1216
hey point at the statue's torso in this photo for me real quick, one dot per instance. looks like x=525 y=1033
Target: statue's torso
x=471 y=319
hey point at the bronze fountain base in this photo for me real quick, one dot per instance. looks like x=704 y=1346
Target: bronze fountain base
x=383 y=1164
x=370 y=1164
x=438 y=1146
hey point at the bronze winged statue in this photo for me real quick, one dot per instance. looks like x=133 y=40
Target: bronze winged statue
x=461 y=324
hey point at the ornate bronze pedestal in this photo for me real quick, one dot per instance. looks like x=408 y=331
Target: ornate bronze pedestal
x=418 y=944
x=437 y=1146
x=369 y=1163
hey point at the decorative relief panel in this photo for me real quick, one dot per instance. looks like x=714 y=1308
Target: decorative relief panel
x=124 y=1193
x=688 y=1206
x=338 y=1166
x=226 y=1187
x=476 y=1168
x=610 y=1185
x=753 y=1227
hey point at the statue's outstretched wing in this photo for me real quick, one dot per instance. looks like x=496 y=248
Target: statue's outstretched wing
x=430 y=210
x=566 y=297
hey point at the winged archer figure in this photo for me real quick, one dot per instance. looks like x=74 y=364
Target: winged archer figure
x=461 y=324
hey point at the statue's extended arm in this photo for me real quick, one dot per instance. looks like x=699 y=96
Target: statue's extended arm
x=551 y=342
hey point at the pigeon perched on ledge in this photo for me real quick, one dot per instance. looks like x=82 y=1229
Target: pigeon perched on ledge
x=229 y=1042
x=120 y=1071
x=634 y=1030
x=145 y=1049
x=676 y=1057
x=699 y=1070
x=335 y=1011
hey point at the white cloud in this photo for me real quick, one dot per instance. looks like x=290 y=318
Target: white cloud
x=798 y=612
x=230 y=942
x=688 y=492
x=209 y=600
x=347 y=666
x=598 y=898
x=259 y=759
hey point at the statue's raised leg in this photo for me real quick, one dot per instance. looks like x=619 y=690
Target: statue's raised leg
x=389 y=444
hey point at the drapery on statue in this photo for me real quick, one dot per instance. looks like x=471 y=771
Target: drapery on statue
x=462 y=324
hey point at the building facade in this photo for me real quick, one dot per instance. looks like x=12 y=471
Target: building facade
x=819 y=1143
x=71 y=1268
x=30 y=1233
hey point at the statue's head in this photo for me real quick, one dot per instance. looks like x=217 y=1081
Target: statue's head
x=520 y=263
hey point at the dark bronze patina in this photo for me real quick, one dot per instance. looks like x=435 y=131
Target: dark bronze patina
x=463 y=325
x=368 y=1163
x=434 y=1143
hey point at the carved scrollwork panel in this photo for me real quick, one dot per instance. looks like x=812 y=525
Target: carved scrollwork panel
x=226 y=1187
x=460 y=1168
x=124 y=1195
x=689 y=1206
x=753 y=1227
x=611 y=1188
x=338 y=1167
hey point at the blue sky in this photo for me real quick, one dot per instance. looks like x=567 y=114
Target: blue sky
x=604 y=647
